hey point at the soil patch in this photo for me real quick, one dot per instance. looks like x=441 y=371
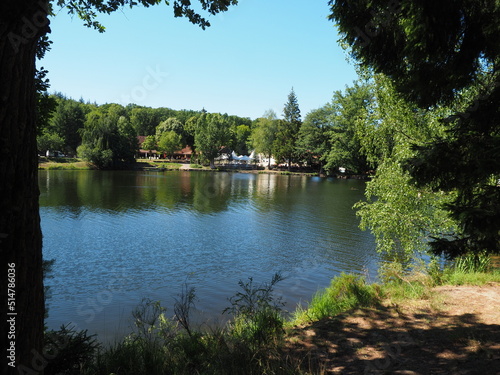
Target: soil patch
x=455 y=332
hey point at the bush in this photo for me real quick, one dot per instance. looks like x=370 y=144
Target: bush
x=72 y=350
x=257 y=315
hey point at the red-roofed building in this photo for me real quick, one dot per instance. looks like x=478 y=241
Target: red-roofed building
x=184 y=154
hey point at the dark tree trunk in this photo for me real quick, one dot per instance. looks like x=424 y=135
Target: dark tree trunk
x=22 y=22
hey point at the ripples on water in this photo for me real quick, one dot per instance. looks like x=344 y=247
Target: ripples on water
x=120 y=236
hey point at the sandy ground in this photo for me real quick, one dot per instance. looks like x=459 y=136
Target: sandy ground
x=456 y=332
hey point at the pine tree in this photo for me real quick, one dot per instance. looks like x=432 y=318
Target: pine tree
x=285 y=148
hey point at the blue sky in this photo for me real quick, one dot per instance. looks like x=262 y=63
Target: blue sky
x=244 y=64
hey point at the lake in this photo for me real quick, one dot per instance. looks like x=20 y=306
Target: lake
x=121 y=236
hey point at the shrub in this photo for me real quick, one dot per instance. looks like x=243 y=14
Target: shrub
x=257 y=315
x=72 y=350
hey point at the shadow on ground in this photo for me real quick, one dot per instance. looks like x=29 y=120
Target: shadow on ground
x=386 y=340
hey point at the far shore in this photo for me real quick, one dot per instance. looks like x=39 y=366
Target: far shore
x=161 y=165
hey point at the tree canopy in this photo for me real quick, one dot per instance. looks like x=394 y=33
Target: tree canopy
x=213 y=132
x=442 y=53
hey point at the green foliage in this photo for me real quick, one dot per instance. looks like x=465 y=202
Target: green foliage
x=72 y=350
x=149 y=143
x=100 y=158
x=264 y=134
x=350 y=112
x=46 y=105
x=397 y=38
x=257 y=314
x=49 y=141
x=473 y=262
x=415 y=280
x=87 y=11
x=170 y=124
x=241 y=139
x=144 y=120
x=169 y=142
x=346 y=292
x=458 y=70
x=157 y=345
x=314 y=140
x=108 y=138
x=287 y=131
x=457 y=277
x=410 y=281
x=402 y=216
x=213 y=131
x=67 y=120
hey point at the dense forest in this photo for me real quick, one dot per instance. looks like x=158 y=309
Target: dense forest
x=106 y=135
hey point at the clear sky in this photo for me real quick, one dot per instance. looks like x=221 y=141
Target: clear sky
x=245 y=63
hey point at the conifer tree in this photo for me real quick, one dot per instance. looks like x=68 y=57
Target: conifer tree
x=285 y=147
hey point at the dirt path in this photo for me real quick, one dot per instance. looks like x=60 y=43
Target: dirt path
x=457 y=332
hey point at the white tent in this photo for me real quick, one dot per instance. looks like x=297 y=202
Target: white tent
x=242 y=157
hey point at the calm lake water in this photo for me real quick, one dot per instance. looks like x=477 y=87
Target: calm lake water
x=118 y=237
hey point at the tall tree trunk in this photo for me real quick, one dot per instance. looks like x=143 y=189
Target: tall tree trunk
x=22 y=22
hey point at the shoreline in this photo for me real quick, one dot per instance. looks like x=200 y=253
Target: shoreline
x=168 y=166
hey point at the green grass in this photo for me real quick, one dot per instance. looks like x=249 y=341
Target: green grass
x=399 y=284
x=170 y=165
x=158 y=164
x=195 y=166
x=56 y=165
x=471 y=278
x=345 y=292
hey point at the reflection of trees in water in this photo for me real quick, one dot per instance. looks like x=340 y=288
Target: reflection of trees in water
x=204 y=192
x=116 y=191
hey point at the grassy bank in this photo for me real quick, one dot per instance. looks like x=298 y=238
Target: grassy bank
x=322 y=338
x=63 y=164
x=45 y=163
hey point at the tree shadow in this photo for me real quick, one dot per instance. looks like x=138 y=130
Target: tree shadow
x=386 y=341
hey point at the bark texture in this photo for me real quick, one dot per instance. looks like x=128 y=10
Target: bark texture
x=22 y=23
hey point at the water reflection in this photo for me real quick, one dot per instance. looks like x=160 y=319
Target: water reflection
x=145 y=234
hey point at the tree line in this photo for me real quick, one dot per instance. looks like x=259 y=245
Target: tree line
x=107 y=134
